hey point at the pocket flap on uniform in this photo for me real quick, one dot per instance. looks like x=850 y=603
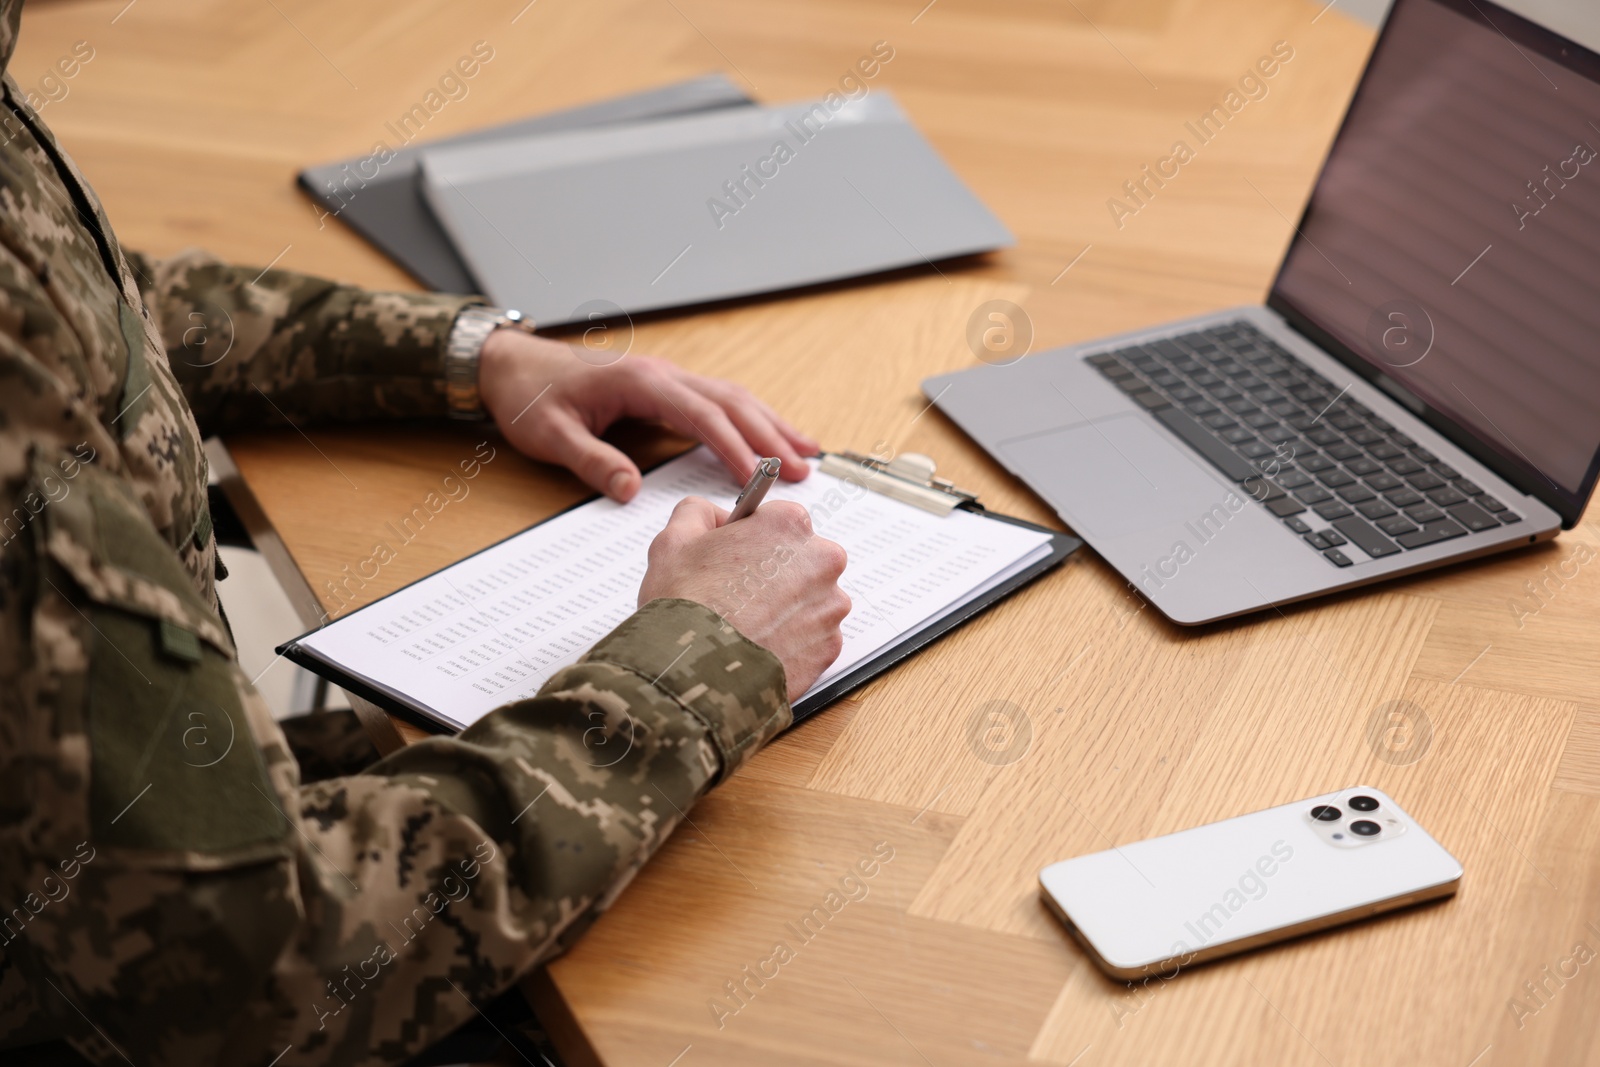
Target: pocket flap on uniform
x=175 y=772
x=103 y=538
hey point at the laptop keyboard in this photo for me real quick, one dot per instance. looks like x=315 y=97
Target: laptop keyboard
x=1335 y=472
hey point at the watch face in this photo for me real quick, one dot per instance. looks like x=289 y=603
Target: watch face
x=512 y=317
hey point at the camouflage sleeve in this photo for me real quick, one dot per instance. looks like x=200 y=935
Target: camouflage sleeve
x=173 y=893
x=255 y=348
x=471 y=859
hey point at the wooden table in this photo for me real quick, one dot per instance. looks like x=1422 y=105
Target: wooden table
x=191 y=120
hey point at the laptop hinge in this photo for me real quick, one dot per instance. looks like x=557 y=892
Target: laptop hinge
x=1405 y=397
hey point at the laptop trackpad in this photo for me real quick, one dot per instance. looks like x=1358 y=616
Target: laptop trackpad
x=1115 y=476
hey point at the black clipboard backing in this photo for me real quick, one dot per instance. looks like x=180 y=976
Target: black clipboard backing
x=1062 y=545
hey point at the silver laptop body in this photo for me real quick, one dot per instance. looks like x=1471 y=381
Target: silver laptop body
x=1190 y=540
x=630 y=218
x=1489 y=381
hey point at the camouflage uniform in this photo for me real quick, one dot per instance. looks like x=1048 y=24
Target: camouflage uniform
x=170 y=891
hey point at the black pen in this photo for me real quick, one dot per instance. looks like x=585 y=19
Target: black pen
x=755 y=490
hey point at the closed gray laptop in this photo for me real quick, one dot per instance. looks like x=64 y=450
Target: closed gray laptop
x=702 y=208
x=383 y=201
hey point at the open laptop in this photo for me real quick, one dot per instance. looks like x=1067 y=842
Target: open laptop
x=1423 y=384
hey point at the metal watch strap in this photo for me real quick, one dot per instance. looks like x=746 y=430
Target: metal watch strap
x=471 y=329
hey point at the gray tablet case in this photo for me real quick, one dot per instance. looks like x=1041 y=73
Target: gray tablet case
x=387 y=209
x=701 y=207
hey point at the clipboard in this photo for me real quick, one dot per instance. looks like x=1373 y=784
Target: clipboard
x=909 y=478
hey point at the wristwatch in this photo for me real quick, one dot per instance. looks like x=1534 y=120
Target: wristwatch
x=471 y=329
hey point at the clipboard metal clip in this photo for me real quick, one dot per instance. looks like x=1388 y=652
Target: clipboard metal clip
x=908 y=478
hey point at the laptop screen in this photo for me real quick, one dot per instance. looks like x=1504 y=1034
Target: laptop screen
x=1453 y=239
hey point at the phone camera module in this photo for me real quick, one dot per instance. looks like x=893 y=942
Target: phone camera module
x=1364 y=803
x=1326 y=813
x=1365 y=828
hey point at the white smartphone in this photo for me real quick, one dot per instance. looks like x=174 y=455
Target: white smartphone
x=1175 y=901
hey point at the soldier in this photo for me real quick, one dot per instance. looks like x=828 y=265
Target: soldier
x=160 y=908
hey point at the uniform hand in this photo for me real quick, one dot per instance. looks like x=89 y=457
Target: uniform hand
x=768 y=575
x=552 y=405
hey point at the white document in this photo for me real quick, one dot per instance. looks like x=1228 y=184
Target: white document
x=494 y=627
